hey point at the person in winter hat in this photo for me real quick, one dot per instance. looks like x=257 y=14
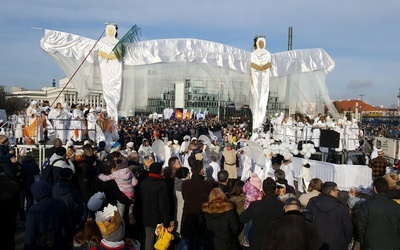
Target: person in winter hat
x=252 y=192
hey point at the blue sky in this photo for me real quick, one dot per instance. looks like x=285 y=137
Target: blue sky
x=361 y=36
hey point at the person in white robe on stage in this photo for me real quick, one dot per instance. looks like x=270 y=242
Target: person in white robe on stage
x=316 y=133
x=352 y=135
x=35 y=126
x=278 y=131
x=91 y=124
x=77 y=125
x=339 y=128
x=60 y=119
x=18 y=122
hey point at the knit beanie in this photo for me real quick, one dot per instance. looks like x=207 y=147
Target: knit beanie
x=121 y=163
x=255 y=181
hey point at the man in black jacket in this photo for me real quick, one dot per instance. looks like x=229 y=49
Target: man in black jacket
x=195 y=192
x=154 y=194
x=292 y=230
x=9 y=203
x=378 y=221
x=331 y=218
x=262 y=213
x=65 y=191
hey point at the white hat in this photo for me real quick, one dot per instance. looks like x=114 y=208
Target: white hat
x=69 y=143
x=91 y=110
x=86 y=142
x=186 y=137
x=175 y=141
x=130 y=144
x=194 y=139
x=33 y=102
x=288 y=156
x=169 y=143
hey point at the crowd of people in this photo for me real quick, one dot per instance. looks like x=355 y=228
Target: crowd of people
x=95 y=192
x=91 y=198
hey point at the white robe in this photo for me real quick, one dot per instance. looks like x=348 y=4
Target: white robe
x=260 y=83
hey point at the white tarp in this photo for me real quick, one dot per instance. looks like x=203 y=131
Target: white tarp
x=150 y=68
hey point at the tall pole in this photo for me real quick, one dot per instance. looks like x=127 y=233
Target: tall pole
x=290 y=38
x=80 y=65
x=288 y=78
x=219 y=99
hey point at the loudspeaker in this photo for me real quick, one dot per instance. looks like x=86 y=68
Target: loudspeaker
x=329 y=139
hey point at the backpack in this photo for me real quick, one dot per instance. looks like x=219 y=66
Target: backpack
x=47 y=172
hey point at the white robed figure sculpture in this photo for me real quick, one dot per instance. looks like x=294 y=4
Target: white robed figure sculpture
x=111 y=71
x=260 y=65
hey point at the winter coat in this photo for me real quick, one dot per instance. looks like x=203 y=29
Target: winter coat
x=195 y=192
x=65 y=191
x=112 y=193
x=155 y=201
x=11 y=170
x=238 y=202
x=47 y=216
x=378 y=224
x=85 y=174
x=223 y=226
x=29 y=168
x=9 y=205
x=292 y=231
x=332 y=220
x=262 y=213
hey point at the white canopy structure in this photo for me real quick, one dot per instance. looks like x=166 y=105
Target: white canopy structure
x=152 y=68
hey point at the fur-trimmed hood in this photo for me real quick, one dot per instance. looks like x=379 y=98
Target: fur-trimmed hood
x=217 y=207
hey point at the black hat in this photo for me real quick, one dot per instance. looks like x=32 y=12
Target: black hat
x=102 y=144
x=61 y=151
x=292 y=201
x=65 y=173
x=156 y=168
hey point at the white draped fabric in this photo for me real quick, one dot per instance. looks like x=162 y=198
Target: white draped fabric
x=345 y=176
x=151 y=68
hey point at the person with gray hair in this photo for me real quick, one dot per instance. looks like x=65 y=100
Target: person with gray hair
x=331 y=218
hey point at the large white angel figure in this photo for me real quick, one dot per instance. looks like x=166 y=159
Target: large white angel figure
x=260 y=65
x=111 y=71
